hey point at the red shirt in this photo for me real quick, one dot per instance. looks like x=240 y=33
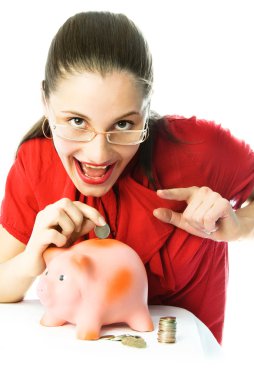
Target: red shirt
x=183 y=270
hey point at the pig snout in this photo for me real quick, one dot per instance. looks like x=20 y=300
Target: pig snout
x=43 y=292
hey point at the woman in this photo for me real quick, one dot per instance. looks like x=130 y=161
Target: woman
x=166 y=186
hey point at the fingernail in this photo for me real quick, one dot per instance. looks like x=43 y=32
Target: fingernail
x=101 y=221
x=155 y=212
x=162 y=192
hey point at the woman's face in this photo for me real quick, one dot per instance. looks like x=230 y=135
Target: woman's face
x=105 y=103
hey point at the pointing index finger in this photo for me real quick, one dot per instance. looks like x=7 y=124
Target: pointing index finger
x=180 y=194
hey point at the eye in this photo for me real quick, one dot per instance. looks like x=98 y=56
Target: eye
x=61 y=277
x=124 y=125
x=77 y=122
x=46 y=273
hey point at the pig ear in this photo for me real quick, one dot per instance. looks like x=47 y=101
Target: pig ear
x=83 y=263
x=50 y=253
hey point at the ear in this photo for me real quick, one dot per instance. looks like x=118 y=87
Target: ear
x=50 y=253
x=83 y=263
x=43 y=99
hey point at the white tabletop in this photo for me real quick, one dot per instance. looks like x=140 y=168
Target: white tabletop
x=34 y=351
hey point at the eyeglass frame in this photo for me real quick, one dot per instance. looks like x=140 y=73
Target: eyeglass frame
x=144 y=135
x=144 y=130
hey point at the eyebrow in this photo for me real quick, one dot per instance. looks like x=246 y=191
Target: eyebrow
x=131 y=113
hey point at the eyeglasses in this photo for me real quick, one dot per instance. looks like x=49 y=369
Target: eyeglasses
x=68 y=132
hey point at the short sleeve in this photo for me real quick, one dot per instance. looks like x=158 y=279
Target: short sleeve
x=230 y=165
x=203 y=153
x=19 y=207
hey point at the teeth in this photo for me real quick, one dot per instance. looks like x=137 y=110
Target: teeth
x=95 y=167
x=93 y=177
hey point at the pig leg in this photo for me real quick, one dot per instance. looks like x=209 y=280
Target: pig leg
x=140 y=320
x=49 y=320
x=89 y=325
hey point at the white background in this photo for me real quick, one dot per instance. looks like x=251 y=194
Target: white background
x=203 y=58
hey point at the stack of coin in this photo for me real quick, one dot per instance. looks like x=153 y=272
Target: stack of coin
x=167 y=330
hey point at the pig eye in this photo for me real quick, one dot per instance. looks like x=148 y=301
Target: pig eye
x=46 y=273
x=61 y=277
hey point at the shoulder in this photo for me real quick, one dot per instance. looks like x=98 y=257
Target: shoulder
x=38 y=151
x=199 y=132
x=191 y=128
x=201 y=153
x=182 y=135
x=37 y=146
x=37 y=158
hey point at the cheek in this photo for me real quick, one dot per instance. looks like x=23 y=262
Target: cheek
x=64 y=148
x=128 y=152
x=66 y=291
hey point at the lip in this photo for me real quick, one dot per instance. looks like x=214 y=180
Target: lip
x=94 y=181
x=90 y=163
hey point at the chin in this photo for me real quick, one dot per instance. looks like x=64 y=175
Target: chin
x=93 y=190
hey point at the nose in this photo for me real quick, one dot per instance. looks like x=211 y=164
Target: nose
x=41 y=289
x=98 y=150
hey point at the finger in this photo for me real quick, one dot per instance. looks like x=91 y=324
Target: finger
x=64 y=217
x=163 y=214
x=210 y=223
x=193 y=212
x=196 y=212
x=91 y=213
x=65 y=224
x=52 y=236
x=73 y=212
x=219 y=211
x=167 y=216
x=175 y=218
x=180 y=194
x=87 y=226
x=201 y=202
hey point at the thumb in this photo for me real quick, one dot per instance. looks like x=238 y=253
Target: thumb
x=168 y=216
x=175 y=218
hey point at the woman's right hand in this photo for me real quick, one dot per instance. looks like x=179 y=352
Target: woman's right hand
x=61 y=224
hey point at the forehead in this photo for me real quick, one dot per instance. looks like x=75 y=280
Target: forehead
x=93 y=90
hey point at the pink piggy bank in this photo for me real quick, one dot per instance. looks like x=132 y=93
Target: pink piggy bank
x=94 y=283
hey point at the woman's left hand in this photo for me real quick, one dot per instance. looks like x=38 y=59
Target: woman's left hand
x=207 y=214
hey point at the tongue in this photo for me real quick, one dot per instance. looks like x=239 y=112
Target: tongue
x=94 y=172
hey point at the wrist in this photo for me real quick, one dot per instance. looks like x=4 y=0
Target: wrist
x=33 y=265
x=246 y=223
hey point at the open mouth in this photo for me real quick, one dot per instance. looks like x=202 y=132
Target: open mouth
x=93 y=174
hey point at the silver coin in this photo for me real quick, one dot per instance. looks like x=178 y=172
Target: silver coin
x=119 y=337
x=107 y=337
x=102 y=232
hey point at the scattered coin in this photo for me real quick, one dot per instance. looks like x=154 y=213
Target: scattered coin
x=134 y=341
x=119 y=337
x=167 y=330
x=102 y=232
x=107 y=337
x=127 y=339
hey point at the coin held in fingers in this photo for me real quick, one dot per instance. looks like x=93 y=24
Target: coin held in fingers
x=102 y=232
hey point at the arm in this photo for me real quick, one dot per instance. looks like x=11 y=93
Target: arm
x=61 y=224
x=208 y=215
x=246 y=217
x=15 y=277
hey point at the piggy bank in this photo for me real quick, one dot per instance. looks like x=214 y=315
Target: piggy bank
x=94 y=283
